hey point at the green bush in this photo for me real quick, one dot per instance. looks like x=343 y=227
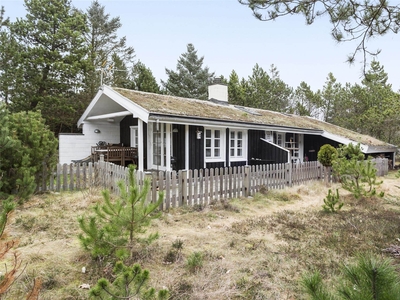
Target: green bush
x=356 y=174
x=27 y=146
x=194 y=262
x=326 y=155
x=332 y=202
x=370 y=277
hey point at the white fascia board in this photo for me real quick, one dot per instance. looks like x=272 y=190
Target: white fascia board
x=135 y=109
x=233 y=125
x=132 y=108
x=275 y=145
x=364 y=148
x=89 y=108
x=107 y=116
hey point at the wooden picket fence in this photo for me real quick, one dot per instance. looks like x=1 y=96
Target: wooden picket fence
x=192 y=187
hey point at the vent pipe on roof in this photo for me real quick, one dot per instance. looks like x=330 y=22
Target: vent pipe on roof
x=218 y=90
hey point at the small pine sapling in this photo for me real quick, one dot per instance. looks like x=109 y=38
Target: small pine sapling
x=116 y=225
x=356 y=174
x=370 y=277
x=131 y=282
x=332 y=202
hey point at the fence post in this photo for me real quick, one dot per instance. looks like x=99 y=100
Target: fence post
x=183 y=185
x=246 y=181
x=290 y=173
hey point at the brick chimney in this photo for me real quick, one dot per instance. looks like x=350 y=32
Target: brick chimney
x=218 y=91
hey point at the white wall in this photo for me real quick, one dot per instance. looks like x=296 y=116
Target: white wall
x=78 y=146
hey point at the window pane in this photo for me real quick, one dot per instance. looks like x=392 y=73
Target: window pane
x=217 y=134
x=208 y=133
x=239 y=152
x=208 y=152
x=216 y=143
x=232 y=134
x=239 y=143
x=208 y=143
x=232 y=143
x=232 y=152
x=216 y=152
x=239 y=135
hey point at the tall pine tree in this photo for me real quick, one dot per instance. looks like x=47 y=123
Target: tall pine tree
x=51 y=41
x=109 y=55
x=143 y=79
x=191 y=79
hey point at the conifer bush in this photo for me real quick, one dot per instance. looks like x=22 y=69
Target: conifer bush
x=356 y=174
x=117 y=224
x=27 y=146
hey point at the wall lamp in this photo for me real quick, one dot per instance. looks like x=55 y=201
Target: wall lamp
x=97 y=130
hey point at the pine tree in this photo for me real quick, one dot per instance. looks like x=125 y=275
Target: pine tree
x=114 y=228
x=34 y=148
x=51 y=39
x=235 y=90
x=190 y=80
x=131 y=282
x=143 y=79
x=108 y=54
x=267 y=91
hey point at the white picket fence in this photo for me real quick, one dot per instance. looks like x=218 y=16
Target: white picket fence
x=192 y=187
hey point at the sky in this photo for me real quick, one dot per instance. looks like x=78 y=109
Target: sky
x=231 y=38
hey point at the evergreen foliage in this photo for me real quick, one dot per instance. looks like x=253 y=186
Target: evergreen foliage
x=267 y=91
x=107 y=52
x=356 y=175
x=131 y=282
x=236 y=93
x=115 y=227
x=143 y=79
x=351 y=20
x=332 y=202
x=52 y=61
x=307 y=103
x=27 y=147
x=369 y=278
x=326 y=154
x=191 y=79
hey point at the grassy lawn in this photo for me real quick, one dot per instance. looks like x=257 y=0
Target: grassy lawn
x=253 y=248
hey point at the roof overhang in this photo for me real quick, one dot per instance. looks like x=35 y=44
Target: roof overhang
x=108 y=104
x=183 y=120
x=367 y=149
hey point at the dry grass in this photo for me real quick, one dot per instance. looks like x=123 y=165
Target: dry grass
x=254 y=248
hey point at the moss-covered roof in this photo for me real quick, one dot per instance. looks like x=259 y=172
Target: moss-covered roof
x=184 y=107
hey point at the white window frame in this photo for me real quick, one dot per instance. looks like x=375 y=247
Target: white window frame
x=164 y=141
x=212 y=157
x=134 y=136
x=243 y=147
x=280 y=139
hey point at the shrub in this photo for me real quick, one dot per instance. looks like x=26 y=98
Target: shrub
x=114 y=228
x=195 y=262
x=129 y=283
x=27 y=146
x=326 y=155
x=369 y=277
x=356 y=175
x=332 y=202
